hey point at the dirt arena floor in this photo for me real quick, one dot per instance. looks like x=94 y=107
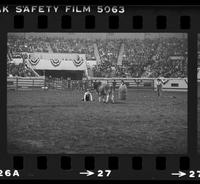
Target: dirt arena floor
x=57 y=121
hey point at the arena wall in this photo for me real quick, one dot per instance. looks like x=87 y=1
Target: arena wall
x=174 y=84
x=147 y=83
x=23 y=83
x=169 y=84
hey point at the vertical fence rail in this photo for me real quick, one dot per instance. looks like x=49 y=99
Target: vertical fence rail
x=17 y=83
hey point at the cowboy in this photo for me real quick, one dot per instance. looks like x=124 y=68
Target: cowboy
x=159 y=86
x=87 y=96
x=114 y=84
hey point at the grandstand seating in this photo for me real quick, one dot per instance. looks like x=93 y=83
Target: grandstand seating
x=141 y=58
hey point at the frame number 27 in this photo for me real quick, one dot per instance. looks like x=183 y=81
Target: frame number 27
x=105 y=173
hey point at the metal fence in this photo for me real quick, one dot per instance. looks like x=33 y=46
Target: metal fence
x=18 y=83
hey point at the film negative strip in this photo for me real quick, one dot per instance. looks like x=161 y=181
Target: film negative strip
x=105 y=92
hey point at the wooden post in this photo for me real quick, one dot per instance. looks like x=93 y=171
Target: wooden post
x=16 y=83
x=33 y=83
x=153 y=84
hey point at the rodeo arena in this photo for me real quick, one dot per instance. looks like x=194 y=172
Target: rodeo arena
x=97 y=93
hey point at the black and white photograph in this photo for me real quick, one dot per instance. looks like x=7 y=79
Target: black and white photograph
x=97 y=93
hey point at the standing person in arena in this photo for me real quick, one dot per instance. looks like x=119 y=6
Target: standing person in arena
x=122 y=93
x=83 y=82
x=95 y=84
x=159 y=86
x=114 y=85
x=68 y=83
x=91 y=84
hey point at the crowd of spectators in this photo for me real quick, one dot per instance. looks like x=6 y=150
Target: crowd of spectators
x=81 y=46
x=153 y=56
x=140 y=57
x=21 y=70
x=31 y=44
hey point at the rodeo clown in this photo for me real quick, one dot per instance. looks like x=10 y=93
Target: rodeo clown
x=122 y=91
x=87 y=96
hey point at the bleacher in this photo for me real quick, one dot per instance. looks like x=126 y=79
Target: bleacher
x=138 y=58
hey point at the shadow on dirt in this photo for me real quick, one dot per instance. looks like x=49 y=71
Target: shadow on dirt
x=120 y=102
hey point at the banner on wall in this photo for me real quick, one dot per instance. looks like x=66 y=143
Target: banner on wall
x=173 y=84
x=56 y=61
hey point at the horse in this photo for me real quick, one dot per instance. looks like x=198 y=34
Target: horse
x=105 y=92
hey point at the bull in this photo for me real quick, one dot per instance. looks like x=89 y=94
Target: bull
x=105 y=92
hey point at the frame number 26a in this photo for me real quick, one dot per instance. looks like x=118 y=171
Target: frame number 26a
x=103 y=173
